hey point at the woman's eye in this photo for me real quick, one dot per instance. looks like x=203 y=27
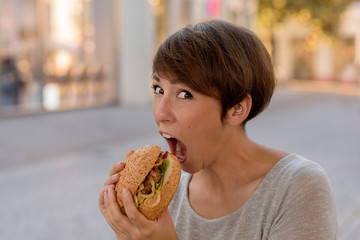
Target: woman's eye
x=185 y=94
x=158 y=90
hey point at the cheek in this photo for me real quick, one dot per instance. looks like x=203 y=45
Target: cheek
x=155 y=118
x=204 y=129
x=154 y=109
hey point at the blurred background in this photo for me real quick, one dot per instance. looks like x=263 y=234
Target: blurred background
x=70 y=54
x=75 y=97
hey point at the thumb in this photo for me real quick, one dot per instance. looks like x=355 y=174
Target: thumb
x=165 y=216
x=166 y=223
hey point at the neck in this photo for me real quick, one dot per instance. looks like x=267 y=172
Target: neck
x=232 y=177
x=240 y=163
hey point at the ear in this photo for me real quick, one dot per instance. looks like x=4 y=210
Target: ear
x=238 y=113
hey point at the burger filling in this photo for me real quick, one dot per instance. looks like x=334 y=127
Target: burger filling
x=153 y=181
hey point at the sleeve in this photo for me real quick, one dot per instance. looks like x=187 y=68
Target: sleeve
x=307 y=210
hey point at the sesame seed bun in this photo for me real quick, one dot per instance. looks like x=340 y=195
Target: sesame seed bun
x=137 y=167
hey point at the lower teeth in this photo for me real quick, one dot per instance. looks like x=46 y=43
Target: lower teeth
x=178 y=150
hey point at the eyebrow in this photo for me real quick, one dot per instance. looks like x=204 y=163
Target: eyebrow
x=156 y=78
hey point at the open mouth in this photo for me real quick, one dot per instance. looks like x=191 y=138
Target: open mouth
x=176 y=147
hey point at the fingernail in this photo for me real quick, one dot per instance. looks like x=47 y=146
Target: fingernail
x=117 y=165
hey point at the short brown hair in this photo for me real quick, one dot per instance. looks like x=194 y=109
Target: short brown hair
x=221 y=60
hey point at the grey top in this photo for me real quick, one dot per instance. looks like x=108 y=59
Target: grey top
x=293 y=201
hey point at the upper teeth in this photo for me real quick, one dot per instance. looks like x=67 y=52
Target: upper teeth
x=167 y=135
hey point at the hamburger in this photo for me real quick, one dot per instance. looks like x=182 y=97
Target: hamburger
x=152 y=176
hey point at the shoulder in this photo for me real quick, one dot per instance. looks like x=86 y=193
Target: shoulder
x=295 y=169
x=305 y=199
x=296 y=177
x=307 y=174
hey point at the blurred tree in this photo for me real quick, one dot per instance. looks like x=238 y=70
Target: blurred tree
x=321 y=14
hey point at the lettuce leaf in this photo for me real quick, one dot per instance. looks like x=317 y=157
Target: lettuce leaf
x=163 y=167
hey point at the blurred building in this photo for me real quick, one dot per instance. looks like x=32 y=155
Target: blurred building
x=55 y=55
x=299 y=53
x=71 y=54
x=350 y=44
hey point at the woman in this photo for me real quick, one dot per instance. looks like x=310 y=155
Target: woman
x=208 y=81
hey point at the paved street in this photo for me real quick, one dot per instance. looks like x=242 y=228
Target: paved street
x=52 y=166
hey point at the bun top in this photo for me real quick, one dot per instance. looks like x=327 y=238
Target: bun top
x=138 y=165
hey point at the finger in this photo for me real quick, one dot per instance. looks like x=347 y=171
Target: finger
x=132 y=212
x=129 y=153
x=166 y=222
x=107 y=213
x=165 y=216
x=112 y=179
x=117 y=167
x=102 y=196
x=122 y=236
x=101 y=199
x=115 y=214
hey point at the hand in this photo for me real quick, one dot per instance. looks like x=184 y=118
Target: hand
x=134 y=225
x=110 y=183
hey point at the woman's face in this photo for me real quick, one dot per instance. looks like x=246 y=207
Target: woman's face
x=189 y=121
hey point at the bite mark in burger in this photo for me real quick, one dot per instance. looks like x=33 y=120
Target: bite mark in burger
x=152 y=176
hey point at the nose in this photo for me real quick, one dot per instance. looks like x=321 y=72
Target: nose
x=163 y=110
